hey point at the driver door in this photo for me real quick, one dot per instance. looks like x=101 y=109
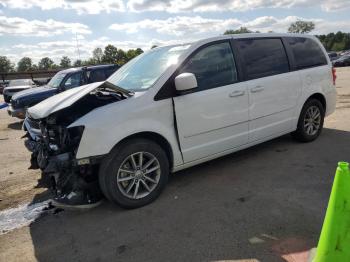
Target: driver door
x=213 y=118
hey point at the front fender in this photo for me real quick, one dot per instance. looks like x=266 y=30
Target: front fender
x=107 y=126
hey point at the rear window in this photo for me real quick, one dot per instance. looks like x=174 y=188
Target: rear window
x=110 y=71
x=97 y=76
x=263 y=57
x=307 y=53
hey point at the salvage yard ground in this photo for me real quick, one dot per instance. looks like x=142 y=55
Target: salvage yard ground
x=266 y=203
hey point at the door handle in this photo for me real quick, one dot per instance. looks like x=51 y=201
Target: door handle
x=257 y=89
x=237 y=93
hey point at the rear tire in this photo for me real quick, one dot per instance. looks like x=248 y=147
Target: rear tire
x=310 y=123
x=134 y=173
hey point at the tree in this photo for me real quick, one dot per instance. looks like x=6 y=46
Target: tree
x=78 y=63
x=5 y=65
x=241 y=30
x=302 y=27
x=121 y=57
x=138 y=51
x=97 y=55
x=65 y=62
x=131 y=53
x=46 y=63
x=110 y=54
x=335 y=42
x=25 y=64
x=154 y=46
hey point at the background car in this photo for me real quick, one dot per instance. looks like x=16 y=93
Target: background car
x=62 y=81
x=15 y=86
x=342 y=61
x=3 y=85
x=333 y=56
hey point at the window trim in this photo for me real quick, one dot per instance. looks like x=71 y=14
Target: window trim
x=242 y=61
x=168 y=89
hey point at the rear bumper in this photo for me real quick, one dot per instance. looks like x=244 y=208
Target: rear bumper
x=20 y=112
x=331 y=101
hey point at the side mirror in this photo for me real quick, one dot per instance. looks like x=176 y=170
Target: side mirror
x=185 y=81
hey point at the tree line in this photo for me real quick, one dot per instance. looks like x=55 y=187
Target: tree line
x=110 y=55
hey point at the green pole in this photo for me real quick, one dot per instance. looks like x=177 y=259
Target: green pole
x=334 y=243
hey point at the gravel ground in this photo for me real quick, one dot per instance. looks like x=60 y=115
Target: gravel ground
x=266 y=203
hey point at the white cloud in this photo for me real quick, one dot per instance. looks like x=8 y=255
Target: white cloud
x=187 y=26
x=56 y=49
x=172 y=6
x=179 y=25
x=23 y=27
x=336 y=5
x=80 y=6
x=175 y=6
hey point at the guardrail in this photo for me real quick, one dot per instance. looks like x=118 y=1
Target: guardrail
x=29 y=74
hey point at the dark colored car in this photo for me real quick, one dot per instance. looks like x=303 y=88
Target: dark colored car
x=3 y=85
x=333 y=56
x=62 y=81
x=342 y=61
x=15 y=86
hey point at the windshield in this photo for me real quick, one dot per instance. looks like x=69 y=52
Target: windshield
x=20 y=82
x=144 y=70
x=56 y=80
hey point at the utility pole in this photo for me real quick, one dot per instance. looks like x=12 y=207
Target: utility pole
x=76 y=38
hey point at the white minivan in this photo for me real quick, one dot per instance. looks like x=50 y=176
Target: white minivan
x=177 y=106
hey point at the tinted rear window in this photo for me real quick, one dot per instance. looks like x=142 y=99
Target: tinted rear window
x=307 y=53
x=263 y=57
x=97 y=75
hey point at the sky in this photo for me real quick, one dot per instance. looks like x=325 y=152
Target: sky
x=55 y=28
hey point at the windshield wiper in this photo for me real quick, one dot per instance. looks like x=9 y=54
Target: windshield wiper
x=118 y=88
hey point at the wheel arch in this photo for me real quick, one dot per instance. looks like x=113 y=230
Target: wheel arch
x=155 y=137
x=320 y=97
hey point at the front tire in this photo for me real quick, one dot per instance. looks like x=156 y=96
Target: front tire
x=310 y=123
x=134 y=173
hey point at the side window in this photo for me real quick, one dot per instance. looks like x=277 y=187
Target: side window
x=306 y=52
x=213 y=66
x=73 y=81
x=97 y=76
x=263 y=57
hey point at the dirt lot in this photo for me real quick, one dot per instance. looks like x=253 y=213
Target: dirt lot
x=263 y=204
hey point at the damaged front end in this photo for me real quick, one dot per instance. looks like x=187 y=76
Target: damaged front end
x=54 y=144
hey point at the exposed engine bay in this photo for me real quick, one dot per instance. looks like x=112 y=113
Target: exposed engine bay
x=54 y=145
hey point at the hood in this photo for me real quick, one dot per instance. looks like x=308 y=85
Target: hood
x=61 y=101
x=16 y=88
x=37 y=91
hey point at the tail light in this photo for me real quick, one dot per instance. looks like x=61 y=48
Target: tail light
x=334 y=75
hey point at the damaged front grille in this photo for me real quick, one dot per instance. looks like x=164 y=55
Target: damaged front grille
x=34 y=124
x=33 y=128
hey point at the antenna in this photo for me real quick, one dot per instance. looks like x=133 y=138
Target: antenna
x=76 y=38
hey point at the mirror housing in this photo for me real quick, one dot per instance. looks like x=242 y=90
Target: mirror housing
x=185 y=81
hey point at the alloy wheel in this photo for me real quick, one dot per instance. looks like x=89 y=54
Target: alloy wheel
x=312 y=120
x=138 y=175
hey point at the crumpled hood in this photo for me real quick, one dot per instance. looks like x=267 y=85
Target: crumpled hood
x=61 y=101
x=34 y=92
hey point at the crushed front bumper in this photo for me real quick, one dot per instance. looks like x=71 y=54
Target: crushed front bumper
x=19 y=113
